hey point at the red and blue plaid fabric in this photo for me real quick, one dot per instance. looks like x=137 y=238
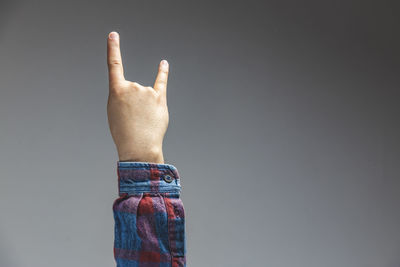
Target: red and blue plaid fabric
x=149 y=216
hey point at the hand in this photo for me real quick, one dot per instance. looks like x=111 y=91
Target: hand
x=137 y=115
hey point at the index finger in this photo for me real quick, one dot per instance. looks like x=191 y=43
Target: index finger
x=114 y=60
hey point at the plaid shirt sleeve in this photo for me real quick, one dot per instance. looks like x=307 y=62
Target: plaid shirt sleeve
x=149 y=216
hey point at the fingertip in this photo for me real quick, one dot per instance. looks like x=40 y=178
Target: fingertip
x=113 y=35
x=161 y=81
x=164 y=65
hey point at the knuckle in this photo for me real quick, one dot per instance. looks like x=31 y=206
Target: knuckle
x=136 y=85
x=117 y=91
x=150 y=91
x=117 y=88
x=114 y=62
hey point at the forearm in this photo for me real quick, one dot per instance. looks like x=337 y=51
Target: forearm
x=149 y=216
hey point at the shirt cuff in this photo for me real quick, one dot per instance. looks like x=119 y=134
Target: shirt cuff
x=145 y=177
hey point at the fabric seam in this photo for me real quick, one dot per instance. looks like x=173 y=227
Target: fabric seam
x=168 y=221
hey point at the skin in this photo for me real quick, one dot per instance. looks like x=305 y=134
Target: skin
x=137 y=115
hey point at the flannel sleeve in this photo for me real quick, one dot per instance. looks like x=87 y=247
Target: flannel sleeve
x=149 y=216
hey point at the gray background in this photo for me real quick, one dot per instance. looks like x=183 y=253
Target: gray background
x=284 y=127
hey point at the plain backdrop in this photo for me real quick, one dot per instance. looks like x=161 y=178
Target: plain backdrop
x=284 y=126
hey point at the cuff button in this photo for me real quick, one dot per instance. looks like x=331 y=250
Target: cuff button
x=168 y=178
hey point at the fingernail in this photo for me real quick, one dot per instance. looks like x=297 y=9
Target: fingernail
x=114 y=36
x=164 y=63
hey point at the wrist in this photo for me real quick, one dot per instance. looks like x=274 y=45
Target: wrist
x=154 y=155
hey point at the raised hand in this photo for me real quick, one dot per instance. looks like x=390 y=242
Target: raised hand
x=137 y=115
